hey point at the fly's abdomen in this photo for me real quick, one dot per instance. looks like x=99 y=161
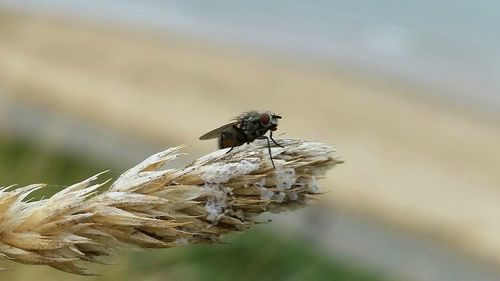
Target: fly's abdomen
x=231 y=138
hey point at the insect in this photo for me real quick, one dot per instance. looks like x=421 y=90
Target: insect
x=246 y=128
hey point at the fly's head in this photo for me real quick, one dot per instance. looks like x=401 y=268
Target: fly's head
x=269 y=121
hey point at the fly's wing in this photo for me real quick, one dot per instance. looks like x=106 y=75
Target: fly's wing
x=217 y=132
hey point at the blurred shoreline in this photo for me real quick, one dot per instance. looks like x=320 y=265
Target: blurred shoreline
x=432 y=43
x=403 y=151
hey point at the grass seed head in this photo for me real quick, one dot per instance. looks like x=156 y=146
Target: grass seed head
x=151 y=207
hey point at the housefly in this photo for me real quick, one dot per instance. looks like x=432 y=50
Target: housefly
x=246 y=128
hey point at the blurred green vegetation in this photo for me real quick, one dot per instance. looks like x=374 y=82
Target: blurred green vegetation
x=23 y=163
x=254 y=255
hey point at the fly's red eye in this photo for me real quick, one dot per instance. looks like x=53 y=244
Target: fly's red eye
x=265 y=118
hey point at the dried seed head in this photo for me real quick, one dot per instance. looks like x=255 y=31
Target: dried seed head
x=148 y=207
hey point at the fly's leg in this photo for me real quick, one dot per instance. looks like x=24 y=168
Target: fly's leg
x=271 y=137
x=268 y=149
x=230 y=149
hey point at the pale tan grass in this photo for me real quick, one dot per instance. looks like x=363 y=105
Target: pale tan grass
x=151 y=207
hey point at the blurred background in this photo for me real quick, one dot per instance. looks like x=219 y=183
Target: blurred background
x=408 y=91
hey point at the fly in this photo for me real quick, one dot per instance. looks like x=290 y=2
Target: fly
x=246 y=128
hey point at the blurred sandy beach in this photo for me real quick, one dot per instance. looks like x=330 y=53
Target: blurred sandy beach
x=419 y=162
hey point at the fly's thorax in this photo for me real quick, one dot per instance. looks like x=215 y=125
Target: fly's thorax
x=256 y=124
